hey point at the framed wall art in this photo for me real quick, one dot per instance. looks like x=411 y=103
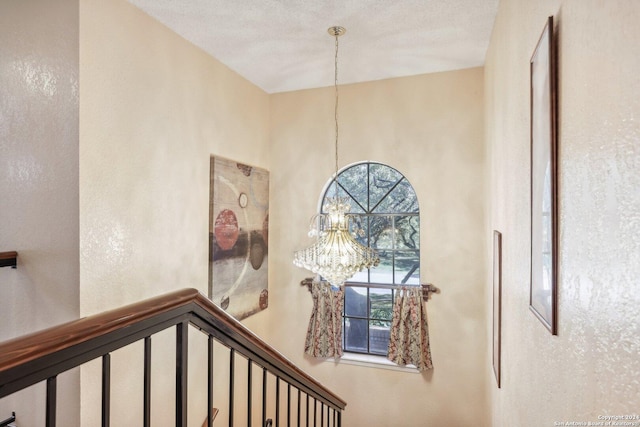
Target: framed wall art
x=497 y=303
x=544 y=224
x=238 y=237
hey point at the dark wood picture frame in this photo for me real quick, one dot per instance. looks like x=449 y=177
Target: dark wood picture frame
x=544 y=224
x=497 y=304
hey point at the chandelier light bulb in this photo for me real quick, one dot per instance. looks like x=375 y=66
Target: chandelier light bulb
x=336 y=255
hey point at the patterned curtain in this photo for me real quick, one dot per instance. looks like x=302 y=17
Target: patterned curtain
x=409 y=336
x=324 y=335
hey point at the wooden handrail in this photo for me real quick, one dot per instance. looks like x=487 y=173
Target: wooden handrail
x=8 y=259
x=47 y=341
x=187 y=303
x=8 y=255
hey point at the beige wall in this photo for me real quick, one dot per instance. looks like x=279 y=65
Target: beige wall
x=592 y=367
x=153 y=108
x=39 y=182
x=429 y=128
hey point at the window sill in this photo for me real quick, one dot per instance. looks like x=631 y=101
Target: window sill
x=371 y=361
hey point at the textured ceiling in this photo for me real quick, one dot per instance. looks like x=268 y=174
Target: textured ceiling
x=283 y=45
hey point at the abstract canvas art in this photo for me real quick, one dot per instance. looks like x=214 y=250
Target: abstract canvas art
x=238 y=237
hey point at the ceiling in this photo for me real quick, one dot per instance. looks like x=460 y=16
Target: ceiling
x=283 y=45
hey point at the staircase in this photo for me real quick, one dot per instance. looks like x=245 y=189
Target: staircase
x=280 y=394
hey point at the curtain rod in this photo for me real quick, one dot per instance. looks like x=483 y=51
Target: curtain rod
x=427 y=288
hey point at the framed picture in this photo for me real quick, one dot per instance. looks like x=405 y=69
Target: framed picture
x=497 y=303
x=544 y=224
x=238 y=237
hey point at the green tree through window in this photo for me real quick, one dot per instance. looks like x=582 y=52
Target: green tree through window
x=385 y=212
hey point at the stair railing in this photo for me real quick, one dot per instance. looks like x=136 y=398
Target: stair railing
x=43 y=355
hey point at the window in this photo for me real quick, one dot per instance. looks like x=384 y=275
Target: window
x=386 y=217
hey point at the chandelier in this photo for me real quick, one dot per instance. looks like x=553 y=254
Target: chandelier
x=336 y=255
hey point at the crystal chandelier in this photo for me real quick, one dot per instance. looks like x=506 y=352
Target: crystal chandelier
x=336 y=255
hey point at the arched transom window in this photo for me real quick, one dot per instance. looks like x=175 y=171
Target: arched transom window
x=386 y=217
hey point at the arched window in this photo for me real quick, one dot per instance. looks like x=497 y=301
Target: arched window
x=386 y=214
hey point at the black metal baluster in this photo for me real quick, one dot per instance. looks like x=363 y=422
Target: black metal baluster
x=210 y=382
x=147 y=383
x=11 y=419
x=307 y=411
x=106 y=389
x=232 y=365
x=51 y=402
x=249 y=381
x=288 y=405
x=321 y=414
x=264 y=396
x=339 y=419
x=315 y=412
x=182 y=348
x=277 y=401
x=298 y=416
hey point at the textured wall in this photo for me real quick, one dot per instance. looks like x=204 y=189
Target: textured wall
x=153 y=108
x=39 y=181
x=429 y=128
x=592 y=368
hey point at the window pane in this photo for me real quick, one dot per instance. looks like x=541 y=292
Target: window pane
x=380 y=305
x=382 y=179
x=381 y=232
x=402 y=199
x=359 y=227
x=383 y=273
x=360 y=277
x=379 y=337
x=355 y=301
x=407 y=268
x=355 y=335
x=331 y=193
x=354 y=182
x=407 y=232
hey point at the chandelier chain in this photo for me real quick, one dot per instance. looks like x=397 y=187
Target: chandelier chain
x=336 y=255
x=335 y=85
